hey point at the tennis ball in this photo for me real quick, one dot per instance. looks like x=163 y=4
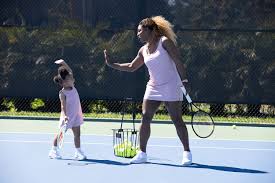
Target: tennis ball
x=125 y=149
x=134 y=151
x=127 y=143
x=128 y=152
x=119 y=151
x=234 y=127
x=131 y=151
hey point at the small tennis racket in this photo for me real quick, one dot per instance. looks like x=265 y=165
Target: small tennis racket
x=202 y=123
x=61 y=134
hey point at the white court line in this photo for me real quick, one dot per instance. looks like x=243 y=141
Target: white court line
x=157 y=137
x=151 y=145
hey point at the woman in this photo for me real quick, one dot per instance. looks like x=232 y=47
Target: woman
x=167 y=75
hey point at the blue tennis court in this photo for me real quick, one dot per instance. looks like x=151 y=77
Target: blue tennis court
x=25 y=147
x=117 y=60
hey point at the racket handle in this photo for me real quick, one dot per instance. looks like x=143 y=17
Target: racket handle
x=188 y=98
x=65 y=126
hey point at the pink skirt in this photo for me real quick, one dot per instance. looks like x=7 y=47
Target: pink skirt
x=75 y=120
x=168 y=92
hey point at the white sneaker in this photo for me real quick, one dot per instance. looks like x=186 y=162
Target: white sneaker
x=140 y=157
x=186 y=158
x=79 y=155
x=54 y=154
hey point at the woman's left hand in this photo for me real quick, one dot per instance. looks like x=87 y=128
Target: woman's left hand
x=185 y=84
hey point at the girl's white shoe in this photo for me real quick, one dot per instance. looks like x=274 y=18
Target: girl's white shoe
x=54 y=154
x=79 y=155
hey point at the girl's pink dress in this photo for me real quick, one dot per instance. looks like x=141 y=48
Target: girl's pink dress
x=73 y=108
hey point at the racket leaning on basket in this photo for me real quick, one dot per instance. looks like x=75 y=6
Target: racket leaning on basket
x=61 y=135
x=202 y=123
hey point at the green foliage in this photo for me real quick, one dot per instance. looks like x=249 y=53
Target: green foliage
x=9 y=104
x=223 y=66
x=97 y=107
x=37 y=103
x=162 y=109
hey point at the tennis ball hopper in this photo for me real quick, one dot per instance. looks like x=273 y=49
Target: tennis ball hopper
x=125 y=140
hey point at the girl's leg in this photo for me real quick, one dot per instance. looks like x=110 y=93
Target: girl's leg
x=76 y=132
x=79 y=155
x=54 y=152
x=55 y=141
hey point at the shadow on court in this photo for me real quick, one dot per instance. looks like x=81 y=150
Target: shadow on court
x=213 y=167
x=95 y=161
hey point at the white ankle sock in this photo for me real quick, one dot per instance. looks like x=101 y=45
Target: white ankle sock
x=78 y=149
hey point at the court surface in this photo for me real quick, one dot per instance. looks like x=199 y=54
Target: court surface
x=244 y=154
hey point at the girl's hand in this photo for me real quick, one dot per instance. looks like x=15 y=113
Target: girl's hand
x=66 y=119
x=60 y=61
x=184 y=81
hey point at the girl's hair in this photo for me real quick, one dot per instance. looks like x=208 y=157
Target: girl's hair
x=57 y=79
x=161 y=26
x=63 y=72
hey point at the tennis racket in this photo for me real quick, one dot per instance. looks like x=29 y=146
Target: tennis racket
x=61 y=134
x=202 y=123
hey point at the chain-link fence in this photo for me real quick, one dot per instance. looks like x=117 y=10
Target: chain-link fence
x=227 y=46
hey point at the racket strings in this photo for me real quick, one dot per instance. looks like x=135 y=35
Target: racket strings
x=60 y=137
x=202 y=124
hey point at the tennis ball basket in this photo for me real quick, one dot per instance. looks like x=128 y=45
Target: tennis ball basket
x=125 y=140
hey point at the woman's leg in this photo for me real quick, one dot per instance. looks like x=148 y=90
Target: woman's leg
x=174 y=110
x=149 y=107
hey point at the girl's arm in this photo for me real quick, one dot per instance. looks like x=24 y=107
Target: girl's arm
x=173 y=52
x=62 y=62
x=128 y=67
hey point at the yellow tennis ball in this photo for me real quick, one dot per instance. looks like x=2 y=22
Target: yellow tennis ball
x=234 y=126
x=125 y=149
x=134 y=151
x=115 y=148
x=119 y=153
x=118 y=150
x=127 y=143
x=128 y=152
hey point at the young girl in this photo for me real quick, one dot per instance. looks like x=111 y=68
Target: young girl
x=71 y=111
